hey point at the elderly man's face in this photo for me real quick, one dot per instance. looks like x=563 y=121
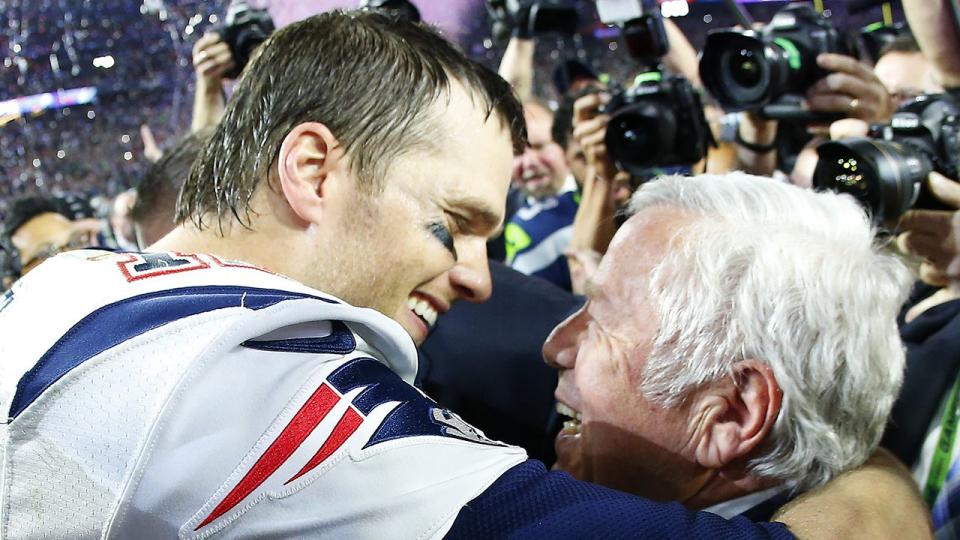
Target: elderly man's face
x=621 y=440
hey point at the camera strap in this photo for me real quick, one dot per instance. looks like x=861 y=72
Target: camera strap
x=943 y=452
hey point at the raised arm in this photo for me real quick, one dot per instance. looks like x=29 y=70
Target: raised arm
x=516 y=67
x=211 y=61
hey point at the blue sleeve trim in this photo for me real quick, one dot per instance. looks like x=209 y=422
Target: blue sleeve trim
x=115 y=323
x=340 y=341
x=530 y=503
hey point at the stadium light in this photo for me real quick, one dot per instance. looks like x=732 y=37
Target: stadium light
x=105 y=62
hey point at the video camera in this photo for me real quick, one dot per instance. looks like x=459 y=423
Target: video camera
x=658 y=121
x=531 y=17
x=887 y=171
x=243 y=30
x=769 y=69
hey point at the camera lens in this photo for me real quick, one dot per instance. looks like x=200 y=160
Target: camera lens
x=740 y=71
x=745 y=68
x=885 y=177
x=640 y=135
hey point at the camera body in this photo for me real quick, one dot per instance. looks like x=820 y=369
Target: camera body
x=776 y=64
x=657 y=122
x=243 y=30
x=401 y=9
x=887 y=171
x=533 y=17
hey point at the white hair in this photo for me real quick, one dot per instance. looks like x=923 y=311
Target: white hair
x=792 y=278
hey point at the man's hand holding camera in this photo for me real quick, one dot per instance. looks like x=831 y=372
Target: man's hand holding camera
x=930 y=234
x=211 y=60
x=851 y=89
x=589 y=130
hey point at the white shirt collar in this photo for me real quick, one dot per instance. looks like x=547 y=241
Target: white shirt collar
x=735 y=507
x=569 y=184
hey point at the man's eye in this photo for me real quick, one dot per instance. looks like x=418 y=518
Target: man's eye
x=442 y=233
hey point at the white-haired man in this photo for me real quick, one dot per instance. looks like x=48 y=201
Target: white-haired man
x=739 y=341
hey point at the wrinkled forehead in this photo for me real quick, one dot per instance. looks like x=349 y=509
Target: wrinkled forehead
x=639 y=246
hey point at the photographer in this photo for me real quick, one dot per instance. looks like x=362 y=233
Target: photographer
x=605 y=190
x=222 y=54
x=852 y=89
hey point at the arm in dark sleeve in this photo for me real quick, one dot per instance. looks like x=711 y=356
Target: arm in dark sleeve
x=529 y=502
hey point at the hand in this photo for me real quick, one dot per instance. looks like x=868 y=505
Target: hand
x=583 y=263
x=848 y=127
x=211 y=60
x=151 y=150
x=589 y=130
x=929 y=234
x=851 y=89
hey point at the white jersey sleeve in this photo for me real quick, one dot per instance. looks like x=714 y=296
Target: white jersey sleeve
x=218 y=400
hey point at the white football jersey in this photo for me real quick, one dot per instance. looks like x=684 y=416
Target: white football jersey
x=178 y=395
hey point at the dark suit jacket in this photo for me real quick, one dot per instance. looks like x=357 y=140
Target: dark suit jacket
x=933 y=363
x=484 y=361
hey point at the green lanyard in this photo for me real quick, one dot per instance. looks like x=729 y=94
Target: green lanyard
x=943 y=453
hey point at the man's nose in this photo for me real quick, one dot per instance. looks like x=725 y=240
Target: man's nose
x=560 y=349
x=470 y=277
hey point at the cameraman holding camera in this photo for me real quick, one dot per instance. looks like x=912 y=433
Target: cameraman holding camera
x=852 y=89
x=221 y=54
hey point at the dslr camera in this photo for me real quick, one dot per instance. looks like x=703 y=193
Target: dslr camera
x=532 y=18
x=887 y=171
x=769 y=69
x=657 y=122
x=243 y=30
x=401 y=9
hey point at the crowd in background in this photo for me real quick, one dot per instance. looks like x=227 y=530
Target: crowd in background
x=51 y=45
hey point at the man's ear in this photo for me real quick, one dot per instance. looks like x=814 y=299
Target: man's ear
x=309 y=161
x=737 y=414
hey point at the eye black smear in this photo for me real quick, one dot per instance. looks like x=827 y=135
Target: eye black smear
x=443 y=235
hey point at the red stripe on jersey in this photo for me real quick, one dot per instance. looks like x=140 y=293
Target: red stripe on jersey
x=297 y=430
x=348 y=423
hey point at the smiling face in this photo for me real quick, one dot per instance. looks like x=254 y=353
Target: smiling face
x=617 y=437
x=542 y=169
x=417 y=246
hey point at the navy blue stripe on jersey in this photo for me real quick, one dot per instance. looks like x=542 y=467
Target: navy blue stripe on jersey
x=340 y=341
x=528 y=502
x=115 y=323
x=415 y=415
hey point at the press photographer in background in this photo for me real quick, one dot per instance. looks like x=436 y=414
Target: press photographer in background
x=782 y=77
x=633 y=131
x=904 y=173
x=220 y=56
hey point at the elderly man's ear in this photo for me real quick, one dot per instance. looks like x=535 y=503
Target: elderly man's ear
x=736 y=414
